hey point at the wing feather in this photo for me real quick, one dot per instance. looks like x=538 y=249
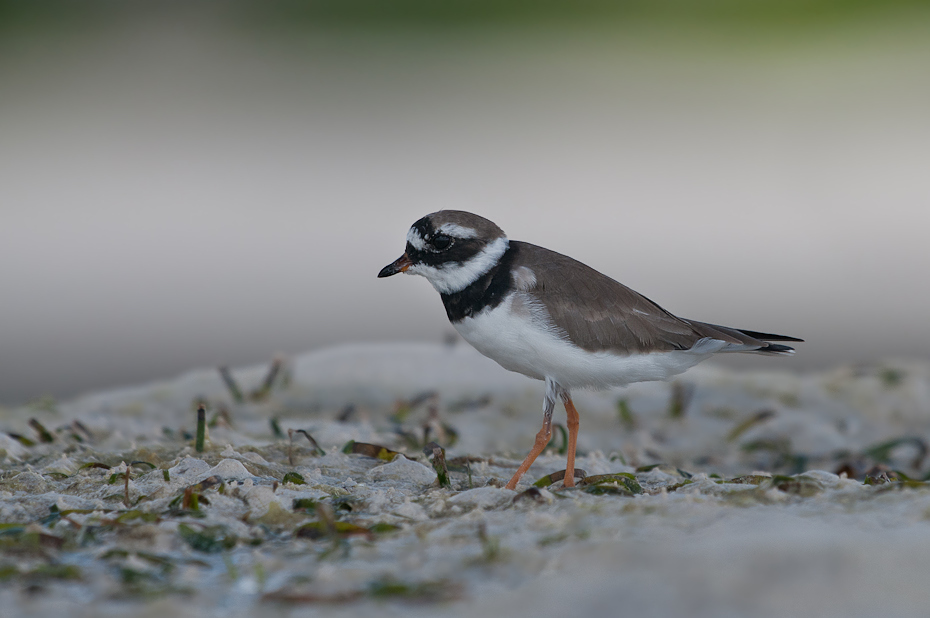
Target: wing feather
x=598 y=313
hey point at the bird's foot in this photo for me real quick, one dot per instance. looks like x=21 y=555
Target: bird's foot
x=512 y=483
x=568 y=480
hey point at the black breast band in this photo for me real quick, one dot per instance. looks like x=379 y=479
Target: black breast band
x=487 y=292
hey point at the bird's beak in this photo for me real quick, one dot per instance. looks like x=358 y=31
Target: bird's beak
x=399 y=265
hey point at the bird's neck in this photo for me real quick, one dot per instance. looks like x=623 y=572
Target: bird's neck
x=485 y=292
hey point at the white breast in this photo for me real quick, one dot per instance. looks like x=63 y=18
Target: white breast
x=518 y=338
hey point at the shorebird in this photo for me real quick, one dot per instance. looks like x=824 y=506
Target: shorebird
x=552 y=318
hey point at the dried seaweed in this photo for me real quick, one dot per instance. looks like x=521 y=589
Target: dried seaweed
x=437 y=457
x=294 y=477
x=201 y=427
x=799 y=485
x=307 y=598
x=304 y=504
x=562 y=449
x=312 y=528
x=743 y=426
x=220 y=418
x=421 y=592
x=208 y=539
x=231 y=385
x=44 y=434
x=370 y=450
x=627 y=418
x=321 y=530
x=555 y=477
x=316 y=447
x=21 y=439
x=682 y=393
x=882 y=452
x=95 y=464
x=263 y=391
x=750 y=479
x=622 y=483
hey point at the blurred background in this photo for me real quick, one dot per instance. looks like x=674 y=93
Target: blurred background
x=184 y=186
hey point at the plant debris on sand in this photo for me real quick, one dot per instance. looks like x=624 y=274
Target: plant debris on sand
x=357 y=476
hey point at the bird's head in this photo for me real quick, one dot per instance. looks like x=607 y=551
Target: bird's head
x=451 y=248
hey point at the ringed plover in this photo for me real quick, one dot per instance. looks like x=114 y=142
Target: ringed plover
x=552 y=318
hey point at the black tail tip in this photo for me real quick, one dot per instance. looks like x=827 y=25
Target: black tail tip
x=768 y=336
x=776 y=348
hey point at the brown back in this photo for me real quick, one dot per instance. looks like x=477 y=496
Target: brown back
x=597 y=313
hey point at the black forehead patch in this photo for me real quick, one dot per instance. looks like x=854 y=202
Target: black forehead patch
x=424 y=227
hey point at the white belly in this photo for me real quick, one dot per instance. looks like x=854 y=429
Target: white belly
x=526 y=346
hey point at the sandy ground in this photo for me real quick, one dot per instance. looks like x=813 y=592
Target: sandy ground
x=726 y=494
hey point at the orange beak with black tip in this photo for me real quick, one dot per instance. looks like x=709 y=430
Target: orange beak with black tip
x=399 y=265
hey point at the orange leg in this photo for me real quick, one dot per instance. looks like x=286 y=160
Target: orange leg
x=542 y=438
x=572 y=422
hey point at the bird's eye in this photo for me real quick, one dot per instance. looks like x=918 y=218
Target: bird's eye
x=442 y=242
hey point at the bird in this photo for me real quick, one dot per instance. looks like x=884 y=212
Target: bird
x=553 y=318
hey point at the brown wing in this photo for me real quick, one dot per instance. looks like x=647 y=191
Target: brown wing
x=597 y=313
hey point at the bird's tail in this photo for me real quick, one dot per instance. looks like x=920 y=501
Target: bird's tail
x=767 y=338
x=776 y=349
x=743 y=340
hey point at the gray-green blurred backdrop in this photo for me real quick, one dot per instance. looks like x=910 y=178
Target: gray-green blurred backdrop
x=211 y=184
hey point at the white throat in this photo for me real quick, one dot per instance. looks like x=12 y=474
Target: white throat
x=455 y=277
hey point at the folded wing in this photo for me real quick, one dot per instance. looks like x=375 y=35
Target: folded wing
x=597 y=313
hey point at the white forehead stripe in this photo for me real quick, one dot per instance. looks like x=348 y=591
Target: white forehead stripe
x=453 y=229
x=413 y=237
x=454 y=277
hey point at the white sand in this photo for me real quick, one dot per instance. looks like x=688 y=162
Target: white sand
x=819 y=545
